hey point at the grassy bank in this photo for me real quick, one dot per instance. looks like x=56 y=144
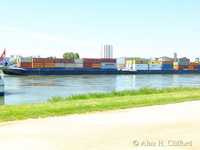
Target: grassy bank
x=78 y=104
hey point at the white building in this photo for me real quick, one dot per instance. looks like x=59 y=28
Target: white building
x=106 y=51
x=174 y=55
x=12 y=58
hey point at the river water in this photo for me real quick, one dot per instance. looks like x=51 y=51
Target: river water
x=37 y=89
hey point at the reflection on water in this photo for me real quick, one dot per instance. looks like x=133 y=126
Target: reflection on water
x=37 y=89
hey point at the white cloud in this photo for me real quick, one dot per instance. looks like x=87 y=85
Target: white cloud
x=50 y=37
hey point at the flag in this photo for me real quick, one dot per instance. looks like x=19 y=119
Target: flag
x=3 y=56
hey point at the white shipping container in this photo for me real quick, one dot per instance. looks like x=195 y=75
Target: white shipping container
x=69 y=65
x=140 y=66
x=155 y=66
x=121 y=60
x=108 y=65
x=19 y=60
x=78 y=65
x=59 y=65
x=78 y=61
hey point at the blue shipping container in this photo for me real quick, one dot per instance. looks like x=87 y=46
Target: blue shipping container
x=166 y=67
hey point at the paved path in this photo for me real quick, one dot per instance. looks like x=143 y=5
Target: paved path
x=156 y=127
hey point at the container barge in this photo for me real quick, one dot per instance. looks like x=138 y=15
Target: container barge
x=60 y=66
x=91 y=66
x=28 y=72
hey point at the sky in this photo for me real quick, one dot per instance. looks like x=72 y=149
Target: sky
x=135 y=28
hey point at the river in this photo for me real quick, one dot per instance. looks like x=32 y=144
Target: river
x=37 y=89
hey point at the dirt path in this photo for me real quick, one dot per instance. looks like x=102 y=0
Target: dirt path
x=157 y=127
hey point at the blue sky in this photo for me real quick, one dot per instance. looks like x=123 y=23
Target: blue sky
x=135 y=28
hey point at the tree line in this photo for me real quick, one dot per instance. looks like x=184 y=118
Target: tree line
x=70 y=55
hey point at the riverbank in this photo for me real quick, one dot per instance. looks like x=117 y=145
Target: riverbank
x=142 y=97
x=154 y=127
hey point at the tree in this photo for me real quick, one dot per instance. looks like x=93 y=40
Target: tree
x=76 y=56
x=15 y=61
x=165 y=58
x=70 y=55
x=136 y=58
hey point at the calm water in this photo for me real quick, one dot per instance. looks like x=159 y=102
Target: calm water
x=37 y=89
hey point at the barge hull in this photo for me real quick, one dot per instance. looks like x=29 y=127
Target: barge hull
x=167 y=72
x=28 y=72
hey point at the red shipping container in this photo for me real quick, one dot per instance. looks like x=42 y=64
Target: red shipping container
x=91 y=61
x=69 y=60
x=166 y=62
x=42 y=60
x=193 y=64
x=25 y=65
x=61 y=60
x=108 y=60
x=180 y=67
x=87 y=65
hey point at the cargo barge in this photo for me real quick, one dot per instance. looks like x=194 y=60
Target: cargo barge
x=97 y=66
x=28 y=72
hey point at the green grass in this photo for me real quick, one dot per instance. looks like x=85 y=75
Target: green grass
x=79 y=104
x=142 y=91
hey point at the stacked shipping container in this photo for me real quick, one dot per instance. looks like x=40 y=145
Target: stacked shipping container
x=69 y=63
x=155 y=67
x=137 y=64
x=193 y=66
x=99 y=63
x=78 y=63
x=43 y=63
x=24 y=62
x=166 y=65
x=108 y=63
x=121 y=62
x=91 y=63
x=86 y=63
x=181 y=65
x=60 y=63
